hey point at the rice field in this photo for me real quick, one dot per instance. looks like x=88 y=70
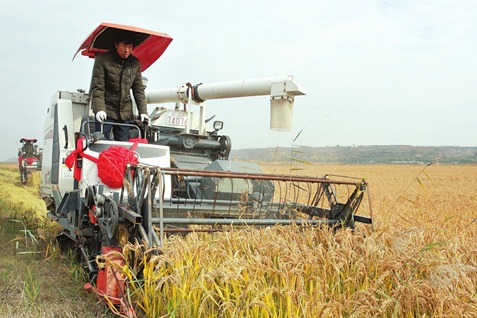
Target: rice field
x=419 y=261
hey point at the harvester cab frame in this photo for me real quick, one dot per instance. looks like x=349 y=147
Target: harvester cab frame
x=178 y=175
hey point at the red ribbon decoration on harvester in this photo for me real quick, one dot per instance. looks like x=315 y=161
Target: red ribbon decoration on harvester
x=111 y=162
x=72 y=159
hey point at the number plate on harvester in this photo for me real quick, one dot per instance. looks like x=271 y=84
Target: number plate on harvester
x=177 y=119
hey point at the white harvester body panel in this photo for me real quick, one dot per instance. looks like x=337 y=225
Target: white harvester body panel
x=148 y=154
x=66 y=114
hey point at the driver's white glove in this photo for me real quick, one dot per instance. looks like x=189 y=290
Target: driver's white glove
x=101 y=116
x=144 y=118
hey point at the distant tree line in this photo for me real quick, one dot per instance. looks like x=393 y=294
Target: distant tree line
x=397 y=154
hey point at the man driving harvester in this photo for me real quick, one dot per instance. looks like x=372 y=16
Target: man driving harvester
x=115 y=74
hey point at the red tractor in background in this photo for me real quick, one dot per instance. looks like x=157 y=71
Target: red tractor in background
x=29 y=158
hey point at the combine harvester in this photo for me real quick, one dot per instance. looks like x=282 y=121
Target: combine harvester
x=29 y=158
x=175 y=172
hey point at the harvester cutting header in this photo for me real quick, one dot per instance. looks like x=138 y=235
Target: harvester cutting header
x=175 y=169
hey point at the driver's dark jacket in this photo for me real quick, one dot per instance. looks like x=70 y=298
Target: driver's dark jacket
x=111 y=84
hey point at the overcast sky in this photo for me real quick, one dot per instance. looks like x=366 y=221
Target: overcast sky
x=375 y=72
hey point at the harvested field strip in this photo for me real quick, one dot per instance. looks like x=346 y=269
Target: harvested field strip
x=35 y=279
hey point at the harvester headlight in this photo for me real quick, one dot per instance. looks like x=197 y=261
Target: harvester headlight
x=218 y=125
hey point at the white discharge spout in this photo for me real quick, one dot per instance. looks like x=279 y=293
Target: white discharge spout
x=282 y=91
